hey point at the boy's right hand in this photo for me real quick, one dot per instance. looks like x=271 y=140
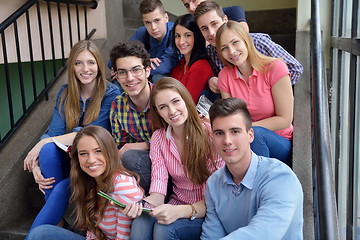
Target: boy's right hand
x=213 y=84
x=155 y=62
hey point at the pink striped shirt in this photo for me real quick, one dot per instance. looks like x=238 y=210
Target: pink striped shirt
x=116 y=225
x=166 y=160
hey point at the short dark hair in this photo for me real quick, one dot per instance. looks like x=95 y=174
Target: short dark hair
x=131 y=48
x=199 y=50
x=148 y=6
x=229 y=106
x=207 y=6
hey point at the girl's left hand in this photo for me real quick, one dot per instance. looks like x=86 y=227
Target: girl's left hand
x=166 y=213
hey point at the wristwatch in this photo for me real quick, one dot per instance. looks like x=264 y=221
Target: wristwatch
x=193 y=212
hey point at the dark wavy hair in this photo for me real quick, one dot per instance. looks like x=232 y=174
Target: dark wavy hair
x=199 y=50
x=131 y=48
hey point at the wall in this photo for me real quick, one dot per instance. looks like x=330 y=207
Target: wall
x=176 y=6
x=96 y=19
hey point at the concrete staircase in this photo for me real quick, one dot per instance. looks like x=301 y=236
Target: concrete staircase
x=20 y=200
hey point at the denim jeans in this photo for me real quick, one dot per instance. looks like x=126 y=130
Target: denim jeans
x=138 y=161
x=51 y=232
x=269 y=144
x=145 y=227
x=54 y=162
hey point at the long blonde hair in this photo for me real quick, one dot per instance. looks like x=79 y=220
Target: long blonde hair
x=69 y=101
x=89 y=206
x=257 y=60
x=197 y=140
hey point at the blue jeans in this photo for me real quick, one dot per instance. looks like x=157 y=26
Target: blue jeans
x=269 y=144
x=156 y=77
x=138 y=161
x=210 y=94
x=54 y=162
x=50 y=232
x=145 y=227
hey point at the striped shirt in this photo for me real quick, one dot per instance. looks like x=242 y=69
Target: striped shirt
x=266 y=46
x=166 y=160
x=116 y=225
x=129 y=125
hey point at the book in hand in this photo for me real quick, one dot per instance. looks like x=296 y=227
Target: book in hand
x=62 y=146
x=101 y=193
x=203 y=105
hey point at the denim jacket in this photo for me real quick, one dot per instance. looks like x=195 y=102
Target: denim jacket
x=58 y=125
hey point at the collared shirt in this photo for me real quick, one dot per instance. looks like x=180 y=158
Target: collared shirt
x=57 y=125
x=267 y=204
x=166 y=160
x=257 y=92
x=159 y=49
x=129 y=125
x=266 y=46
x=116 y=225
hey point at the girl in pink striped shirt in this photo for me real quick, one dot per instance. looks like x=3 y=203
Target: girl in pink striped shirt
x=95 y=166
x=180 y=147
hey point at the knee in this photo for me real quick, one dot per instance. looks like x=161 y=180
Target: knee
x=47 y=150
x=50 y=155
x=62 y=188
x=259 y=130
x=142 y=227
x=135 y=159
x=40 y=232
x=160 y=231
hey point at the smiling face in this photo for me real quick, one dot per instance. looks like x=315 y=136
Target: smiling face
x=208 y=24
x=86 y=68
x=233 y=49
x=133 y=85
x=155 y=23
x=191 y=5
x=184 y=40
x=171 y=107
x=232 y=140
x=91 y=158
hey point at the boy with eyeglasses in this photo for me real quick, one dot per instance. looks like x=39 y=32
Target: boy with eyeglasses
x=130 y=113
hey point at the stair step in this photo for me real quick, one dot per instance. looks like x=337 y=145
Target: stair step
x=18 y=229
x=36 y=197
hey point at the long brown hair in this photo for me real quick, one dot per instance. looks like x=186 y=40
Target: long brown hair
x=69 y=100
x=197 y=140
x=257 y=60
x=89 y=206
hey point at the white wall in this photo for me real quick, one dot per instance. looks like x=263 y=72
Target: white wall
x=96 y=19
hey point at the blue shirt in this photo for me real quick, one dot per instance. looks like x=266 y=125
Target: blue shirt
x=57 y=125
x=267 y=204
x=162 y=50
x=235 y=13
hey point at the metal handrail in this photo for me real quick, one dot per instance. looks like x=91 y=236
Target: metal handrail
x=12 y=21
x=325 y=184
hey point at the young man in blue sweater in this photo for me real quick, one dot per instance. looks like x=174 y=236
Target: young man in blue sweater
x=251 y=197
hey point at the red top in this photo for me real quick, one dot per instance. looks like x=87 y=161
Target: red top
x=195 y=78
